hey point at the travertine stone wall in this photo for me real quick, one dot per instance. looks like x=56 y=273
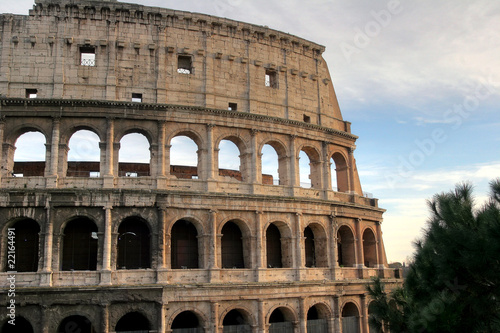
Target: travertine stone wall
x=137 y=50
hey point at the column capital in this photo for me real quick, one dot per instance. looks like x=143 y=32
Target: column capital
x=107 y=206
x=254 y=131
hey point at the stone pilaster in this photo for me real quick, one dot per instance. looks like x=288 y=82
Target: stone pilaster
x=107 y=244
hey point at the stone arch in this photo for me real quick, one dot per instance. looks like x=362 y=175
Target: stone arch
x=244 y=158
x=350 y=317
x=315 y=245
x=313 y=154
x=79 y=244
x=340 y=169
x=77 y=159
x=281 y=151
x=317 y=317
x=27 y=244
x=132 y=164
x=185 y=245
x=13 y=134
x=76 y=323
x=235 y=244
x=133 y=321
x=186 y=170
x=369 y=248
x=273 y=247
x=22 y=325
x=346 y=246
x=143 y=130
x=133 y=244
x=281 y=318
x=18 y=158
x=238 y=319
x=68 y=132
x=185 y=319
x=286 y=242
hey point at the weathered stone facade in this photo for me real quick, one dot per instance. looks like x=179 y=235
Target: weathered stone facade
x=209 y=249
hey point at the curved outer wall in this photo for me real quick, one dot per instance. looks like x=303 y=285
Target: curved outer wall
x=205 y=78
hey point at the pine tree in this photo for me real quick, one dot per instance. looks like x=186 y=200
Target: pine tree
x=454 y=279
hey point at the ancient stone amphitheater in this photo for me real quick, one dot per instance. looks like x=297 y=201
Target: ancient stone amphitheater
x=114 y=246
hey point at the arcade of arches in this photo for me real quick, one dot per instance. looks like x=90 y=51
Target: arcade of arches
x=319 y=318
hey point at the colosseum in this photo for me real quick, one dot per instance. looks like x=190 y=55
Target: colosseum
x=111 y=245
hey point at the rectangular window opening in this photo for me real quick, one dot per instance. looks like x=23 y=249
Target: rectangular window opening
x=307 y=119
x=31 y=93
x=131 y=174
x=233 y=107
x=95 y=174
x=184 y=64
x=271 y=79
x=137 y=98
x=87 y=56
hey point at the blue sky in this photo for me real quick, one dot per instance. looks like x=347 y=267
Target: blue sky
x=419 y=81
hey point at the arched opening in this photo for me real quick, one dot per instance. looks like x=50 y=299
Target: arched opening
x=134 y=156
x=304 y=170
x=316 y=320
x=350 y=318
x=273 y=247
x=270 y=166
x=310 y=249
x=26 y=246
x=133 y=244
x=184 y=245
x=133 y=322
x=230 y=161
x=83 y=155
x=369 y=248
x=281 y=320
x=232 y=246
x=340 y=170
x=76 y=323
x=345 y=247
x=29 y=155
x=309 y=168
x=21 y=325
x=315 y=246
x=80 y=245
x=186 y=322
x=235 y=322
x=184 y=158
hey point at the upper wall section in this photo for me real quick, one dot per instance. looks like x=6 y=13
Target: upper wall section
x=104 y=50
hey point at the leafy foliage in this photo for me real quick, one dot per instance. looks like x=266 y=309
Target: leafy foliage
x=454 y=279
